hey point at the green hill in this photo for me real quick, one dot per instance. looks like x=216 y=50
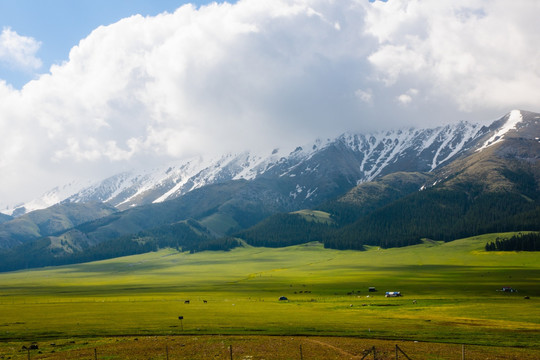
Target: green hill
x=214 y=210
x=52 y=220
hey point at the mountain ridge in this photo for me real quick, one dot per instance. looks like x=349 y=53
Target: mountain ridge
x=371 y=155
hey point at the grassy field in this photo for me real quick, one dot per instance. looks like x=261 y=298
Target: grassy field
x=450 y=296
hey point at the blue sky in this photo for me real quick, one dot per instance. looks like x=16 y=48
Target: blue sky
x=82 y=101
x=60 y=24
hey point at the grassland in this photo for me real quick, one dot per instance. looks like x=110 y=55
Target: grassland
x=453 y=284
x=316 y=216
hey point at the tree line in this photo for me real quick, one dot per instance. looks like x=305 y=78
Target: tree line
x=285 y=229
x=520 y=242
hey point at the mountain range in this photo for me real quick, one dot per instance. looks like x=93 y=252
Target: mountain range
x=350 y=159
x=386 y=189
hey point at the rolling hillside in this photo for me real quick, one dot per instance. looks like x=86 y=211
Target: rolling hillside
x=52 y=220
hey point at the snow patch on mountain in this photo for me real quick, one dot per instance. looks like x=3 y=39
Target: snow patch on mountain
x=180 y=177
x=435 y=146
x=511 y=123
x=469 y=134
x=50 y=198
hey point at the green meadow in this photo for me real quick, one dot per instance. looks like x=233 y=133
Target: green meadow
x=449 y=295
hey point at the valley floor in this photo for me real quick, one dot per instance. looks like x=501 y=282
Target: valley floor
x=451 y=296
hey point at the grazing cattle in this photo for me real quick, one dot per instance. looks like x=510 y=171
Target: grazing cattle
x=204 y=301
x=186 y=302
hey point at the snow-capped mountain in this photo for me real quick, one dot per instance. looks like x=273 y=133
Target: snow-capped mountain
x=309 y=174
x=50 y=198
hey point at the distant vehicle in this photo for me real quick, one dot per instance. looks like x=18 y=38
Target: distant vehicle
x=283 y=298
x=372 y=289
x=393 y=294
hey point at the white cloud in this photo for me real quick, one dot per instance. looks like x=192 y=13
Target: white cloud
x=404 y=99
x=260 y=73
x=364 y=95
x=19 y=51
x=478 y=54
x=407 y=97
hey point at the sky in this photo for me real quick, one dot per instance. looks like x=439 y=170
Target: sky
x=91 y=88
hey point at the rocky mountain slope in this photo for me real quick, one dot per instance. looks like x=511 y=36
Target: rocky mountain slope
x=504 y=159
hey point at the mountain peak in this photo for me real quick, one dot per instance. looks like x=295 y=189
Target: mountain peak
x=511 y=121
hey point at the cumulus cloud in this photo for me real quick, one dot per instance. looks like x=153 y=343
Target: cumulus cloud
x=19 y=51
x=477 y=54
x=364 y=95
x=407 y=97
x=259 y=74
